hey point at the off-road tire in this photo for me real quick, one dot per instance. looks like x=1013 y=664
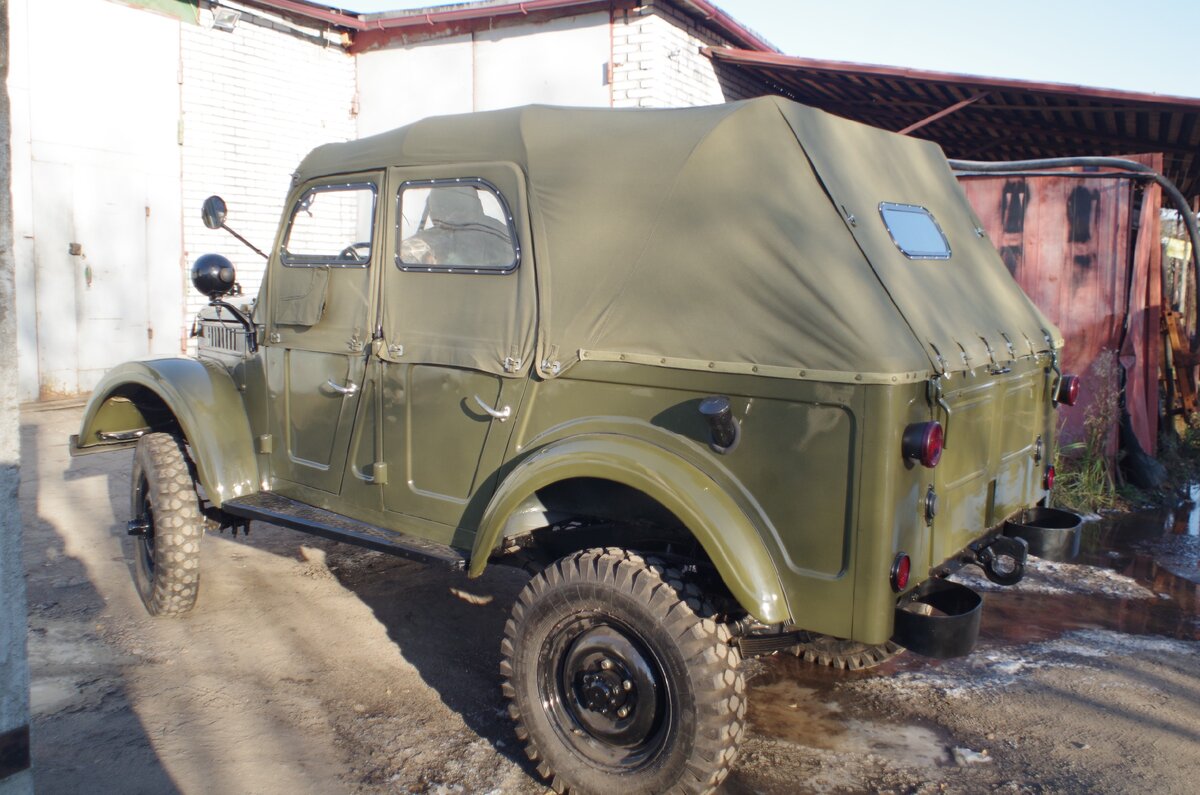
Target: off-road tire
x=641 y=614
x=845 y=655
x=166 y=556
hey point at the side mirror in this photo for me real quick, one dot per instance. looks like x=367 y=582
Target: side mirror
x=213 y=212
x=213 y=276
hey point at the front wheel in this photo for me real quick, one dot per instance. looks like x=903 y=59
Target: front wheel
x=168 y=526
x=616 y=682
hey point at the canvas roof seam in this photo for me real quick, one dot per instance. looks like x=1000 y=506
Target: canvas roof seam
x=857 y=244
x=745 y=368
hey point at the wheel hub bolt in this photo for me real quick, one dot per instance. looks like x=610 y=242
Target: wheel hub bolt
x=623 y=712
x=606 y=664
x=627 y=685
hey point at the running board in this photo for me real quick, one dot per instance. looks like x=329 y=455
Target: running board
x=266 y=506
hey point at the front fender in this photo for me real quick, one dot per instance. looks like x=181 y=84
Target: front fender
x=708 y=511
x=204 y=402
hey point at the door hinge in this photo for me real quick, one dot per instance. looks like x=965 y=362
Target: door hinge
x=264 y=444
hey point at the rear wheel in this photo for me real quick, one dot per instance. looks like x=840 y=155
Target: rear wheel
x=168 y=526
x=844 y=654
x=616 y=682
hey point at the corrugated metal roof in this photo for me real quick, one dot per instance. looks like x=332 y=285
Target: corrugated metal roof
x=997 y=119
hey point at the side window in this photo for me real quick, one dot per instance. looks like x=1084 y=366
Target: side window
x=331 y=225
x=915 y=231
x=453 y=225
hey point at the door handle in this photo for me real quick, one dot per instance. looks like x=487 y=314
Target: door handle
x=496 y=414
x=348 y=390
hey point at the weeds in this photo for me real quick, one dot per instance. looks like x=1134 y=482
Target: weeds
x=1180 y=453
x=1087 y=479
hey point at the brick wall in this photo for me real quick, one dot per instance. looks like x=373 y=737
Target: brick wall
x=657 y=63
x=254 y=102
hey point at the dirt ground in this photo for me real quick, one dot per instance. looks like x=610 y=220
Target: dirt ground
x=310 y=666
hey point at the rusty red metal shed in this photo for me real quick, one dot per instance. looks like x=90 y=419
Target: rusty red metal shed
x=1075 y=245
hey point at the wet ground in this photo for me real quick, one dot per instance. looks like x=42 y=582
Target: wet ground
x=1133 y=587
x=309 y=666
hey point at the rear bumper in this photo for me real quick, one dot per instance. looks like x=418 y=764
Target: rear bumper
x=941 y=618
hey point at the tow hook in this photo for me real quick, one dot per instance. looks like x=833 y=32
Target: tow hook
x=1003 y=559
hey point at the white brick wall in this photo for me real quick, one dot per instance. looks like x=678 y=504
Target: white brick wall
x=254 y=102
x=657 y=62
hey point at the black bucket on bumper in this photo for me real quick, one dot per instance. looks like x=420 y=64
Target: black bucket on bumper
x=940 y=619
x=1052 y=533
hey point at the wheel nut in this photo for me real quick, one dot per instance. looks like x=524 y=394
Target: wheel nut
x=623 y=712
x=606 y=664
x=627 y=685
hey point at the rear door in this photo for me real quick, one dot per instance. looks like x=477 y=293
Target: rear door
x=457 y=317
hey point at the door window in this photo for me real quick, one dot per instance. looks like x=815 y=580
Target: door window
x=455 y=225
x=331 y=226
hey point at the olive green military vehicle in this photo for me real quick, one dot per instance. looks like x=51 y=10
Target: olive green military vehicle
x=731 y=380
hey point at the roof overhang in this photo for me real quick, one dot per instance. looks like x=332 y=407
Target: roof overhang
x=374 y=31
x=988 y=118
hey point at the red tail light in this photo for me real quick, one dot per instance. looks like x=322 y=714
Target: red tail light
x=923 y=443
x=900 y=571
x=1048 y=479
x=1068 y=390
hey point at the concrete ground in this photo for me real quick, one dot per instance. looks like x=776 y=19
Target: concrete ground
x=309 y=666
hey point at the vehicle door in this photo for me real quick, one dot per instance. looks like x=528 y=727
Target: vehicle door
x=318 y=329
x=458 y=319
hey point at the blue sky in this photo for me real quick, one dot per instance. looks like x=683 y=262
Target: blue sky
x=1144 y=46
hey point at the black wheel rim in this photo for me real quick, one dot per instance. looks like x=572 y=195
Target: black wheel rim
x=145 y=541
x=606 y=692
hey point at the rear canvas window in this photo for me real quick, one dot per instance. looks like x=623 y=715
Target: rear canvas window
x=455 y=225
x=915 y=231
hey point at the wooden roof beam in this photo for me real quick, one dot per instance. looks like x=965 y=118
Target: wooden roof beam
x=957 y=106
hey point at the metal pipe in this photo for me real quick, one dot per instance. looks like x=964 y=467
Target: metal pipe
x=1013 y=167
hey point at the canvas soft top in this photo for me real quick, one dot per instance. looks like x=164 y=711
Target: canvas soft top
x=744 y=237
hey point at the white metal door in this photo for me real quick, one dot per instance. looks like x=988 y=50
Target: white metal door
x=90 y=230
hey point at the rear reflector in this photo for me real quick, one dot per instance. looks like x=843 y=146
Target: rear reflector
x=922 y=443
x=1048 y=479
x=1068 y=390
x=900 y=570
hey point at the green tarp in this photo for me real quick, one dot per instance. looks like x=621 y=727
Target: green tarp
x=743 y=237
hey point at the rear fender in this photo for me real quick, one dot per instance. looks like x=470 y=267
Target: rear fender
x=702 y=505
x=198 y=398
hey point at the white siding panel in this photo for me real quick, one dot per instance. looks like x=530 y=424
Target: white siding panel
x=400 y=86
x=560 y=62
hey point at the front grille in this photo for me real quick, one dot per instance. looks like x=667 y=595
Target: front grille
x=222 y=336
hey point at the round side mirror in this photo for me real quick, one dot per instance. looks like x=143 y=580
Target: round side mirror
x=213 y=275
x=213 y=212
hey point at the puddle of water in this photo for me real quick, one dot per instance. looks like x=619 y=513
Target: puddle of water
x=1159 y=549
x=1012 y=617
x=793 y=701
